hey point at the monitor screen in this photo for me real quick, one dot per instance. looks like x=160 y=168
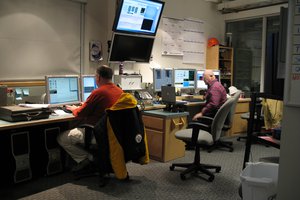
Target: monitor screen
x=184 y=78
x=138 y=16
x=131 y=48
x=200 y=80
x=162 y=77
x=62 y=89
x=168 y=94
x=88 y=84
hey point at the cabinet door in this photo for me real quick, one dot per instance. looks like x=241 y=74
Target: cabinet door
x=155 y=144
x=155 y=136
x=174 y=148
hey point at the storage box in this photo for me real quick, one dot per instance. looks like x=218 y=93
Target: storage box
x=18 y=113
x=259 y=181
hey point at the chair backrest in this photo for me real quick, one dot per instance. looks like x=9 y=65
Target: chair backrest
x=220 y=117
x=230 y=116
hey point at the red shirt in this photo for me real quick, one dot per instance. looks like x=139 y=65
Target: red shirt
x=98 y=101
x=215 y=97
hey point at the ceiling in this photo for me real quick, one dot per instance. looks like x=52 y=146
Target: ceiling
x=227 y=6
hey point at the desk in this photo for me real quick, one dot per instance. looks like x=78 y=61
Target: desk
x=29 y=148
x=4 y=125
x=160 y=128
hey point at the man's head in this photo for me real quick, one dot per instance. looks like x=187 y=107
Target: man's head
x=103 y=75
x=208 y=76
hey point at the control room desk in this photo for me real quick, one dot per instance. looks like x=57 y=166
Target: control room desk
x=160 y=129
x=28 y=149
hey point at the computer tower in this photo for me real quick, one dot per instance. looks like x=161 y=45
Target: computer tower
x=20 y=146
x=54 y=163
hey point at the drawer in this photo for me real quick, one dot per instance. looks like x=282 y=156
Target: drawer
x=153 y=122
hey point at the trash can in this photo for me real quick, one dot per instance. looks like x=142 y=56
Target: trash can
x=259 y=181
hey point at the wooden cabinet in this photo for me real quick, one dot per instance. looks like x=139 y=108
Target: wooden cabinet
x=221 y=58
x=160 y=129
x=239 y=125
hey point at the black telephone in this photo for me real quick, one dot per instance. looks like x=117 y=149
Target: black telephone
x=142 y=95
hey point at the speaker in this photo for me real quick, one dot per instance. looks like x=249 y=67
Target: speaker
x=3 y=95
x=54 y=164
x=20 y=146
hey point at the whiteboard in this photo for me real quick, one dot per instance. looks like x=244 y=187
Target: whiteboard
x=38 y=38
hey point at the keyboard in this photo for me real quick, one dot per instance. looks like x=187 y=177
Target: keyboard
x=66 y=110
x=194 y=100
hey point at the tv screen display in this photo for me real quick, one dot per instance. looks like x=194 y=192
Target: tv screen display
x=184 y=78
x=131 y=48
x=162 y=77
x=62 y=89
x=88 y=84
x=200 y=79
x=138 y=16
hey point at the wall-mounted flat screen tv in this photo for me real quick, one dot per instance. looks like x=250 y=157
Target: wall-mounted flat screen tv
x=135 y=48
x=138 y=16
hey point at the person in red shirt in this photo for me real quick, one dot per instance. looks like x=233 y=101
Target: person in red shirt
x=89 y=112
x=215 y=96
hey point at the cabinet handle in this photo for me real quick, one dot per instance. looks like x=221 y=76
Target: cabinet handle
x=180 y=123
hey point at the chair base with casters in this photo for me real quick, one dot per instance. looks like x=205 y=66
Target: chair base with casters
x=220 y=144
x=202 y=135
x=196 y=166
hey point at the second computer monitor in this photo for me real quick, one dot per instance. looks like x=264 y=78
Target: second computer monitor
x=162 y=77
x=88 y=84
x=200 y=79
x=184 y=78
x=62 y=89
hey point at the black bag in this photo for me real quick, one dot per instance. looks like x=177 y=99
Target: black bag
x=18 y=113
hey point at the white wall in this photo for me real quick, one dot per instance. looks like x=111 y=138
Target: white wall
x=99 y=9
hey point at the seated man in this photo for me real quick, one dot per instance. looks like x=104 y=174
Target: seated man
x=89 y=112
x=215 y=96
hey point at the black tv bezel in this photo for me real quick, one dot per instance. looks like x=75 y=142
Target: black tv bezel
x=112 y=48
x=117 y=18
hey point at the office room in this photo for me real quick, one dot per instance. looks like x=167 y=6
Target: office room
x=73 y=37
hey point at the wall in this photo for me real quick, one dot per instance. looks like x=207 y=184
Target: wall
x=214 y=27
x=96 y=28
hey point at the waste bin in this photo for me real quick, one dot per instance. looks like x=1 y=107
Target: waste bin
x=259 y=181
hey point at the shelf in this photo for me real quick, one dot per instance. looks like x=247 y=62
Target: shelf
x=221 y=58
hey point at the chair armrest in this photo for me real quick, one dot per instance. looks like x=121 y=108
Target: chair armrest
x=196 y=127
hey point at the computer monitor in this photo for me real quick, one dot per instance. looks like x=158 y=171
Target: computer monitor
x=184 y=78
x=88 y=84
x=138 y=16
x=162 y=77
x=62 y=89
x=133 y=48
x=200 y=79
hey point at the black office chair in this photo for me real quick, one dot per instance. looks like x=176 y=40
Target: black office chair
x=120 y=137
x=203 y=135
x=221 y=143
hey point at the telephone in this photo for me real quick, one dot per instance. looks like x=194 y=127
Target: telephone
x=142 y=95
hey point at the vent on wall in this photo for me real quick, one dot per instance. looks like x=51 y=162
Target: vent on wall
x=241 y=5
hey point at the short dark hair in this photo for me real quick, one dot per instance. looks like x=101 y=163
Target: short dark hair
x=105 y=72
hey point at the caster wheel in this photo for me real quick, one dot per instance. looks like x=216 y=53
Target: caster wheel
x=231 y=150
x=182 y=177
x=218 y=169
x=172 y=168
x=210 y=179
